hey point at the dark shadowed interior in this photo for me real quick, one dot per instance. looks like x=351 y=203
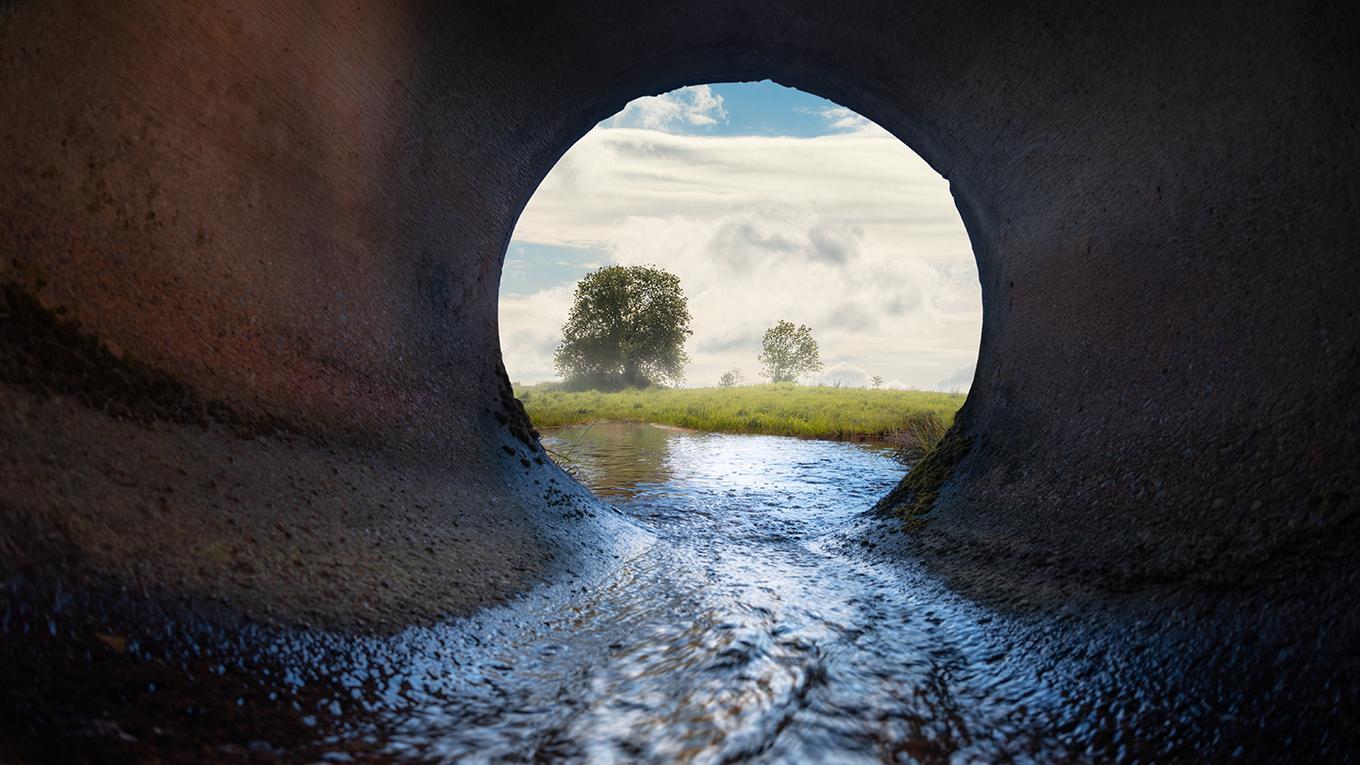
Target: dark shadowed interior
x=250 y=254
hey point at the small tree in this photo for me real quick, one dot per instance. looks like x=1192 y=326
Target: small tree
x=627 y=327
x=789 y=352
x=731 y=378
x=876 y=381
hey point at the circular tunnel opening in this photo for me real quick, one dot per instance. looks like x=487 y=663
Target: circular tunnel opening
x=769 y=205
x=254 y=405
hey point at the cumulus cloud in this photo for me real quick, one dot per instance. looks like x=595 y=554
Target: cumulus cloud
x=747 y=240
x=687 y=107
x=833 y=245
x=841 y=118
x=848 y=232
x=846 y=376
x=851 y=316
x=530 y=331
x=748 y=342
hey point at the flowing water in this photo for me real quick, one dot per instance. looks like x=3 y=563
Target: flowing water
x=748 y=632
x=753 y=629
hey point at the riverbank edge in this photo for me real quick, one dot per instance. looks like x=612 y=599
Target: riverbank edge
x=770 y=410
x=868 y=440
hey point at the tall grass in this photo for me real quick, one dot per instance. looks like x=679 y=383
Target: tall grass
x=918 y=436
x=780 y=409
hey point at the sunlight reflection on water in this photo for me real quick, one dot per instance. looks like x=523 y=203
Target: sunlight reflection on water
x=740 y=635
x=746 y=626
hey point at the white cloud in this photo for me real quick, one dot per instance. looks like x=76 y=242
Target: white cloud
x=841 y=118
x=694 y=106
x=850 y=233
x=845 y=376
x=530 y=331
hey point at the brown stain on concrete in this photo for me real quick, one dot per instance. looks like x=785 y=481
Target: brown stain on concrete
x=48 y=355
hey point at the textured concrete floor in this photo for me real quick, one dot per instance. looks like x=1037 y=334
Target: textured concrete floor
x=295 y=214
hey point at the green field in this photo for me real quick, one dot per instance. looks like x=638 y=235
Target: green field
x=780 y=409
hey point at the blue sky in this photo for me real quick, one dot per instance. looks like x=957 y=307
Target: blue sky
x=764 y=108
x=531 y=267
x=749 y=109
x=769 y=203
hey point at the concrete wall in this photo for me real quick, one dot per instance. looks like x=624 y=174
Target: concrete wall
x=299 y=211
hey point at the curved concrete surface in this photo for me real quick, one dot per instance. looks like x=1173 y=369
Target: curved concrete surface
x=251 y=258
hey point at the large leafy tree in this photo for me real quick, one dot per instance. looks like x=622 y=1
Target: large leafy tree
x=627 y=327
x=789 y=352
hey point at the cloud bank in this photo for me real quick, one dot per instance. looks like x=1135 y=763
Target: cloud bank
x=848 y=232
x=687 y=107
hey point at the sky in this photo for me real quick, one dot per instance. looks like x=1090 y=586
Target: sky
x=769 y=203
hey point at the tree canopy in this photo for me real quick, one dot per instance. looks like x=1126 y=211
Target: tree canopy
x=627 y=328
x=789 y=352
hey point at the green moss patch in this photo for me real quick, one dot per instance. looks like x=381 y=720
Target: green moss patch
x=512 y=414
x=913 y=498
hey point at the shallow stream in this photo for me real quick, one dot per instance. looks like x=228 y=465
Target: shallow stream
x=755 y=628
x=748 y=632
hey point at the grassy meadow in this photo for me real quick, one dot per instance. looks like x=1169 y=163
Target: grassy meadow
x=781 y=409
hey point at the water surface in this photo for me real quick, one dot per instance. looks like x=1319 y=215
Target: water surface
x=748 y=632
x=753 y=628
